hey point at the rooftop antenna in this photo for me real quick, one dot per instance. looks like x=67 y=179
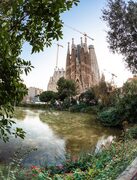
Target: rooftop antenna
x=86 y=36
x=58 y=45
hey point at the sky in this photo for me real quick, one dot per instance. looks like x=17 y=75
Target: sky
x=86 y=18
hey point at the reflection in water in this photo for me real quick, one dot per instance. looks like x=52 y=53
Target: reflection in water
x=104 y=142
x=19 y=114
x=52 y=133
x=50 y=148
x=81 y=131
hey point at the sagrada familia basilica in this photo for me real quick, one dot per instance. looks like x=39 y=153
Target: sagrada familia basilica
x=81 y=66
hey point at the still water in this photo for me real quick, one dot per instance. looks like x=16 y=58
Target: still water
x=53 y=134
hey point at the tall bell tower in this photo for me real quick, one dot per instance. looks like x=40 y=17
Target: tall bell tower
x=82 y=65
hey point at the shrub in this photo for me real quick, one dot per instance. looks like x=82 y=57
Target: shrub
x=110 y=117
x=132 y=133
x=78 y=108
x=66 y=104
x=128 y=106
x=88 y=97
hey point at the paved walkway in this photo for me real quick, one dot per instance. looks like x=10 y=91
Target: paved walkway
x=130 y=173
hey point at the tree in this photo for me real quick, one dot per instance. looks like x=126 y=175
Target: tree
x=66 y=88
x=102 y=93
x=47 y=96
x=121 y=18
x=128 y=101
x=88 y=97
x=124 y=107
x=130 y=87
x=35 y=22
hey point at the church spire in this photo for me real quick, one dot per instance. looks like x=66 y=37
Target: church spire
x=85 y=44
x=81 y=41
x=68 y=59
x=68 y=47
x=86 y=39
x=73 y=45
x=103 y=77
x=72 y=41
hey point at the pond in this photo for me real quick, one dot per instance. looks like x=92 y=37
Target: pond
x=53 y=134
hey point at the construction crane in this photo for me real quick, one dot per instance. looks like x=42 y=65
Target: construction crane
x=58 y=45
x=113 y=76
x=86 y=36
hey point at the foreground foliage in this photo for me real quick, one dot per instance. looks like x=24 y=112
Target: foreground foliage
x=123 y=108
x=35 y=22
x=107 y=164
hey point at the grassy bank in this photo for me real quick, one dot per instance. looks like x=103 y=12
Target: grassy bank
x=37 y=106
x=73 y=108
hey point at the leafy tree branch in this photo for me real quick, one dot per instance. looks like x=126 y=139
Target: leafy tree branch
x=121 y=18
x=36 y=22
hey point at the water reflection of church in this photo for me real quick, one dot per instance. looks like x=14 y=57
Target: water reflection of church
x=81 y=66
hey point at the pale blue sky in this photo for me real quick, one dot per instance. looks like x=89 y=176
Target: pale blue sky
x=86 y=17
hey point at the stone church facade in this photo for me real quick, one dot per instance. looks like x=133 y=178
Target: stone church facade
x=58 y=73
x=82 y=65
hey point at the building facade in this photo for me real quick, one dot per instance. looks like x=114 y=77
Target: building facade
x=32 y=95
x=82 y=65
x=58 y=73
